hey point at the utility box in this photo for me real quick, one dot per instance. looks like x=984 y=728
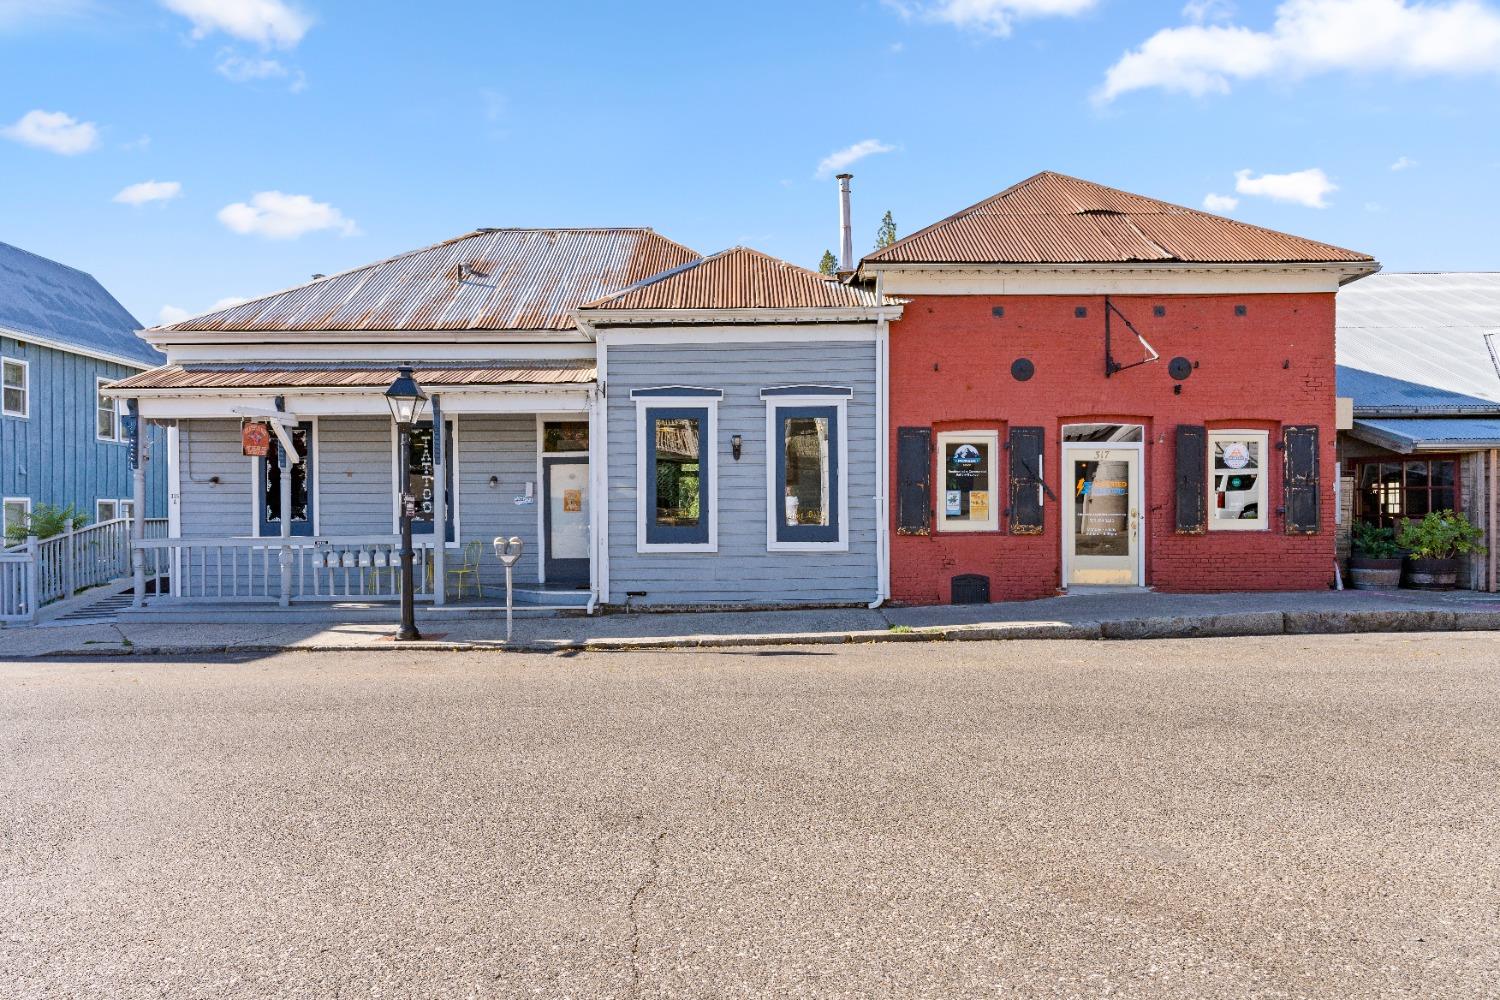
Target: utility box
x=970 y=588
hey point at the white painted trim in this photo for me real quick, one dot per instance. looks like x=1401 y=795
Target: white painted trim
x=23 y=414
x=99 y=516
x=450 y=450
x=940 y=486
x=599 y=438
x=539 y=496
x=174 y=482
x=160 y=338
x=114 y=404
x=201 y=406
x=1137 y=494
x=314 y=492
x=882 y=457
x=66 y=348
x=969 y=279
x=774 y=506
x=25 y=503
x=462 y=351
x=593 y=319
x=849 y=333
x=711 y=490
x=1263 y=481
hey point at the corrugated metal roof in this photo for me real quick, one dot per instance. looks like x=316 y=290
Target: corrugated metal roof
x=46 y=299
x=1441 y=331
x=739 y=278
x=1055 y=219
x=490 y=279
x=358 y=375
x=1406 y=434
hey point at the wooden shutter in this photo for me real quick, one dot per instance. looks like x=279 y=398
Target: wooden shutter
x=1192 y=483
x=1301 y=480
x=1026 y=487
x=913 y=481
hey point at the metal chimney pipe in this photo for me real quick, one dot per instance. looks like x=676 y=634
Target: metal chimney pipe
x=846 y=234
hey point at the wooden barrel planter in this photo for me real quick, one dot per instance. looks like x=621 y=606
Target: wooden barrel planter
x=1374 y=574
x=1432 y=574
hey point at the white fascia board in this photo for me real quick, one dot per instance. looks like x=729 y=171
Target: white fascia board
x=184 y=404
x=85 y=352
x=866 y=332
x=594 y=319
x=392 y=353
x=160 y=338
x=1097 y=279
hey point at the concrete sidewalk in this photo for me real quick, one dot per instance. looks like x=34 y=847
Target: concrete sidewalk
x=1109 y=615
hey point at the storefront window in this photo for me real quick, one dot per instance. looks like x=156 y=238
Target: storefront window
x=677 y=465
x=1387 y=492
x=270 y=473
x=969 y=483
x=421 y=479
x=1237 y=490
x=805 y=499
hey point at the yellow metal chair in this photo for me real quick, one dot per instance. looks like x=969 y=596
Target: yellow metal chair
x=468 y=571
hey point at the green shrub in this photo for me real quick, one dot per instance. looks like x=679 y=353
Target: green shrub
x=44 y=522
x=1442 y=534
x=1374 y=542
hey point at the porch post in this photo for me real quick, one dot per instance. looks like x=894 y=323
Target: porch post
x=138 y=496
x=440 y=446
x=284 y=481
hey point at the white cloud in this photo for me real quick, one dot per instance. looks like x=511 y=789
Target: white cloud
x=1309 y=187
x=266 y=22
x=1314 y=36
x=1403 y=163
x=1199 y=11
x=172 y=314
x=142 y=142
x=240 y=69
x=1220 y=203
x=18 y=14
x=145 y=191
x=849 y=155
x=995 y=17
x=279 y=216
x=54 y=131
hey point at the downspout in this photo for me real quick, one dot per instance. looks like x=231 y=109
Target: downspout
x=1494 y=517
x=882 y=451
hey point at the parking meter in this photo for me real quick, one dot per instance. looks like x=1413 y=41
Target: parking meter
x=508 y=551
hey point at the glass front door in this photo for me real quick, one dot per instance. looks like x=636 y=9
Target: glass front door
x=566 y=484
x=1102 y=523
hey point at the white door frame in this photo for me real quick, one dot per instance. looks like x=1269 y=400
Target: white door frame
x=1137 y=506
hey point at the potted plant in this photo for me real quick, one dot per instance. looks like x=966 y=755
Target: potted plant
x=1433 y=546
x=1375 y=562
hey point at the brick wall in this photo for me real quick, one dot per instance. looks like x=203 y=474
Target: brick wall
x=950 y=370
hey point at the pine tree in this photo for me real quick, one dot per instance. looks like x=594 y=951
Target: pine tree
x=829 y=264
x=886 y=235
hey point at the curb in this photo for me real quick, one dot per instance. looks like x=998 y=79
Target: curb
x=1251 y=623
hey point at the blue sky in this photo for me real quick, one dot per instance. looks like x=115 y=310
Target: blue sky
x=191 y=151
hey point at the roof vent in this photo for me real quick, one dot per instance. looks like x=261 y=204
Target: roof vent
x=319 y=277
x=1097 y=211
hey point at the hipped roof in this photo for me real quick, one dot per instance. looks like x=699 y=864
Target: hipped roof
x=1052 y=218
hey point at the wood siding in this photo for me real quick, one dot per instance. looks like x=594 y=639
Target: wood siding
x=743 y=571
x=54 y=455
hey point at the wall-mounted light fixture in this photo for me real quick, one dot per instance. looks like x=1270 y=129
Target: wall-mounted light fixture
x=736 y=442
x=494 y=481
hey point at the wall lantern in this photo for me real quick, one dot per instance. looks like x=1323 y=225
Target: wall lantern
x=736 y=442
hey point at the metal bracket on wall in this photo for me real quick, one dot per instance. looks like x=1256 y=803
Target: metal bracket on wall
x=1111 y=366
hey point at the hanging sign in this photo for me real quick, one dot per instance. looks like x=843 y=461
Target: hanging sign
x=255 y=439
x=1236 y=455
x=979 y=505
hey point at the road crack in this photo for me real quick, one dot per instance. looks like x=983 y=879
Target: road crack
x=653 y=870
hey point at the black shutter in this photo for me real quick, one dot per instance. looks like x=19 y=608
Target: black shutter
x=1192 y=484
x=1301 y=480
x=914 y=480
x=1025 y=480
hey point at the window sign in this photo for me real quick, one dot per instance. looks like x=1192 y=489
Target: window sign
x=1237 y=492
x=570 y=435
x=421 y=478
x=969 y=480
x=269 y=473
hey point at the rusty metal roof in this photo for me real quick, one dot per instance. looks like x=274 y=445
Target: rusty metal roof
x=357 y=375
x=1055 y=219
x=490 y=279
x=739 y=278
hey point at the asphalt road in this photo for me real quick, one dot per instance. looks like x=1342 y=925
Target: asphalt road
x=1284 y=817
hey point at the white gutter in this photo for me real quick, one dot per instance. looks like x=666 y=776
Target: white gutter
x=882 y=452
x=1351 y=269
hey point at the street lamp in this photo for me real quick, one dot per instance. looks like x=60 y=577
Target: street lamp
x=406 y=400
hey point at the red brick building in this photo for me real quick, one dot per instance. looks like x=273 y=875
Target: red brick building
x=1089 y=387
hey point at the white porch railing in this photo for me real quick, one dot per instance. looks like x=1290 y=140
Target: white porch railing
x=331 y=568
x=40 y=571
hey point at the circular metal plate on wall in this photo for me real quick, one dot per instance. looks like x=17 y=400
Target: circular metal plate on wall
x=1022 y=369
x=1179 y=368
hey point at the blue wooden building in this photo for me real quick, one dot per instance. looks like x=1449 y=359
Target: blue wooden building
x=62 y=441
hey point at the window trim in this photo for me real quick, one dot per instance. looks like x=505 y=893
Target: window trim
x=837 y=403
x=114 y=405
x=313 y=496
x=706 y=400
x=25 y=412
x=1263 y=486
x=450 y=471
x=1356 y=500
x=99 y=517
x=124 y=502
x=940 y=481
x=5 y=502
